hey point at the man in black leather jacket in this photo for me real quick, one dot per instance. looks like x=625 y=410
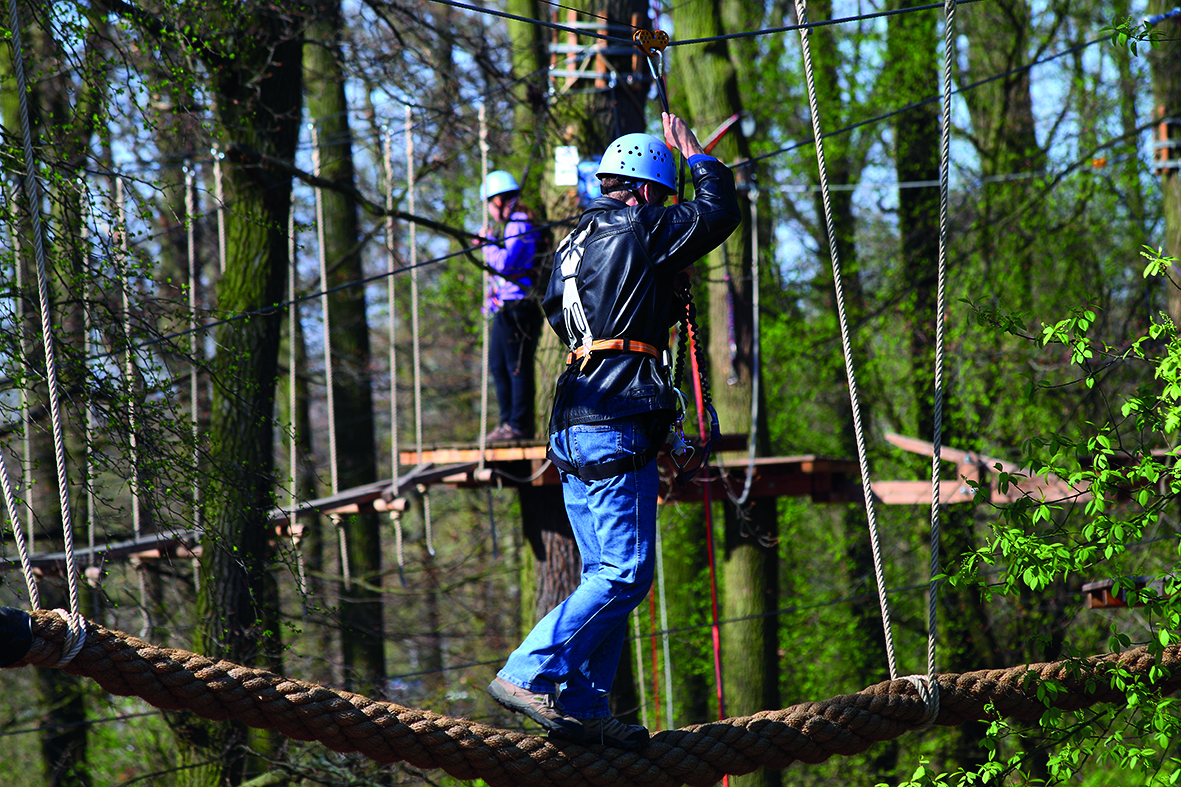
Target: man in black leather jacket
x=612 y=299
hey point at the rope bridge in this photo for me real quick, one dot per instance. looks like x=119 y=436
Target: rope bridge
x=701 y=754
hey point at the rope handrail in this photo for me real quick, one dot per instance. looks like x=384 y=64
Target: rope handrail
x=700 y=754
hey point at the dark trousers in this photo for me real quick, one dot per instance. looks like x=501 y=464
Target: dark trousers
x=512 y=343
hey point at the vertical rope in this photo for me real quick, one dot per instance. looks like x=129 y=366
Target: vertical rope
x=668 y=663
x=756 y=372
x=328 y=379
x=655 y=659
x=129 y=374
x=292 y=404
x=10 y=501
x=219 y=194
x=22 y=548
x=129 y=370
x=415 y=336
x=387 y=159
x=690 y=348
x=639 y=637
x=395 y=516
x=492 y=523
x=846 y=343
x=194 y=341
x=26 y=421
x=485 y=284
x=194 y=352
x=88 y=350
x=940 y=308
x=425 y=491
x=33 y=196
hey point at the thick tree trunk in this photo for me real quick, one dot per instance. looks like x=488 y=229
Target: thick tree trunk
x=362 y=637
x=258 y=99
x=1165 y=59
x=749 y=568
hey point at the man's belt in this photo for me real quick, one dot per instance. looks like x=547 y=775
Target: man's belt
x=583 y=352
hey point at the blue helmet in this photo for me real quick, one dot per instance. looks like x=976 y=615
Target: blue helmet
x=642 y=157
x=498 y=182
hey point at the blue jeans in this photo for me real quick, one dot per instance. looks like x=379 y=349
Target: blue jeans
x=512 y=342
x=574 y=650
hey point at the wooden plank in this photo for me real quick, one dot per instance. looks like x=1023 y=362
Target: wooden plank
x=917 y=493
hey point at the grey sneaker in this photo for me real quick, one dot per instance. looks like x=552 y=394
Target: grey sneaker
x=609 y=732
x=538 y=706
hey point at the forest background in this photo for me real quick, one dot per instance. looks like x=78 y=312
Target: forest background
x=193 y=155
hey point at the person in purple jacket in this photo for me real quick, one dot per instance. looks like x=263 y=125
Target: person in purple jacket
x=511 y=250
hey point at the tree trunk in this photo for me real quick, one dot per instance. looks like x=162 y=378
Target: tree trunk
x=1165 y=59
x=749 y=570
x=362 y=637
x=258 y=99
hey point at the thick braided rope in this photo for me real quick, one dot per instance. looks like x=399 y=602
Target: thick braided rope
x=846 y=343
x=698 y=755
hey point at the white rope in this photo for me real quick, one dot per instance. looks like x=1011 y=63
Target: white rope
x=219 y=194
x=640 y=667
x=26 y=421
x=846 y=343
x=88 y=349
x=395 y=515
x=326 y=322
x=416 y=342
x=33 y=196
x=129 y=374
x=485 y=283
x=22 y=547
x=396 y=518
x=668 y=662
x=932 y=696
x=129 y=371
x=292 y=404
x=756 y=371
x=337 y=520
x=342 y=538
x=387 y=159
x=425 y=491
x=492 y=521
x=75 y=637
x=194 y=342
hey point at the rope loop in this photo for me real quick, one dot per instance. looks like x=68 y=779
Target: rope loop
x=75 y=636
x=928 y=690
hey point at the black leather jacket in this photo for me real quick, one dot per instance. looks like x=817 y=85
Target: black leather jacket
x=626 y=286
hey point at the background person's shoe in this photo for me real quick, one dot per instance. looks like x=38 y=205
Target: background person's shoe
x=504 y=433
x=609 y=732
x=540 y=707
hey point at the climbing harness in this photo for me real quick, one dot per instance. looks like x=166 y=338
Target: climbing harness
x=582 y=352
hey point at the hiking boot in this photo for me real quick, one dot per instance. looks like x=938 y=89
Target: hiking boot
x=538 y=706
x=609 y=732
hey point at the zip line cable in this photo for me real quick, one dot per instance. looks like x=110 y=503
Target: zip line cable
x=920 y=103
x=690 y=41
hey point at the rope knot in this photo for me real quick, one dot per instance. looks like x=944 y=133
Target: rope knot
x=928 y=690
x=75 y=636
